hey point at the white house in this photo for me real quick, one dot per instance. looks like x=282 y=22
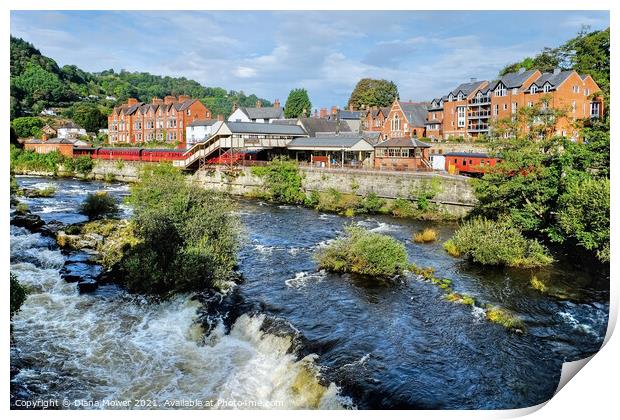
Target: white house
x=200 y=130
x=259 y=114
x=70 y=130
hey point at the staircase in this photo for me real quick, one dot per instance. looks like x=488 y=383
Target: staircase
x=198 y=151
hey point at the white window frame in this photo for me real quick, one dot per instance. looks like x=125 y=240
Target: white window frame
x=460 y=116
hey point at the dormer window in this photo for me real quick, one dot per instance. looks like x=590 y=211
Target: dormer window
x=450 y=98
x=479 y=95
x=460 y=96
x=515 y=91
x=500 y=90
x=546 y=88
x=533 y=89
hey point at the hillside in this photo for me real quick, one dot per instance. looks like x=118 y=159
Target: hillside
x=37 y=82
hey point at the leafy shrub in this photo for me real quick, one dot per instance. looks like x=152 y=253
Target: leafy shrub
x=498 y=243
x=27 y=126
x=451 y=248
x=366 y=253
x=29 y=160
x=425 y=236
x=282 y=180
x=188 y=237
x=402 y=208
x=18 y=294
x=99 y=204
x=81 y=164
x=372 y=203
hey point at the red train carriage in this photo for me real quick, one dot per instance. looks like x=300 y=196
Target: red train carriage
x=118 y=153
x=469 y=163
x=159 y=155
x=84 y=151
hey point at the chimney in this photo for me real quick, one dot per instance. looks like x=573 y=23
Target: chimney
x=316 y=113
x=258 y=104
x=350 y=107
x=157 y=101
x=276 y=103
x=375 y=108
x=334 y=110
x=183 y=98
x=132 y=101
x=208 y=114
x=556 y=71
x=323 y=113
x=169 y=99
x=220 y=117
x=521 y=70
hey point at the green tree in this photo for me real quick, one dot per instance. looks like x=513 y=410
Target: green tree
x=373 y=92
x=298 y=104
x=27 y=126
x=88 y=115
x=188 y=236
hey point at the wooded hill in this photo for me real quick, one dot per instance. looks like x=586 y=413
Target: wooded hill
x=38 y=82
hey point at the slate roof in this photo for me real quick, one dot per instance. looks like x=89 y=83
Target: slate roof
x=49 y=141
x=70 y=124
x=349 y=115
x=201 y=123
x=340 y=141
x=262 y=128
x=513 y=80
x=403 y=142
x=415 y=112
x=466 y=88
x=317 y=125
x=385 y=110
x=266 y=112
x=555 y=79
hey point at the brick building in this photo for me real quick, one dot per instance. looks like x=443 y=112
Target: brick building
x=161 y=120
x=405 y=120
x=469 y=110
x=375 y=117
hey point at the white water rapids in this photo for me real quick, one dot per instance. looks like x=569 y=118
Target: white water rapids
x=117 y=346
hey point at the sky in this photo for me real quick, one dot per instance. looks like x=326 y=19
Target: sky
x=269 y=53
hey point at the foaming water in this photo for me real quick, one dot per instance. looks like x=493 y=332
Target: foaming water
x=121 y=347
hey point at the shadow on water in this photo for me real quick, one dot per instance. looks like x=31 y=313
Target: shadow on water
x=399 y=345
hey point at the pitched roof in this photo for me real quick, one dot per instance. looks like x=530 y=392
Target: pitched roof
x=402 y=142
x=349 y=115
x=201 y=123
x=415 y=112
x=345 y=140
x=262 y=128
x=466 y=88
x=70 y=124
x=317 y=125
x=513 y=80
x=554 y=79
x=266 y=112
x=49 y=141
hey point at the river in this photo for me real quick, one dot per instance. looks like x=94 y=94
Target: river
x=306 y=339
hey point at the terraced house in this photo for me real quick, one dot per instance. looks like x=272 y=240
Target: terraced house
x=161 y=120
x=469 y=110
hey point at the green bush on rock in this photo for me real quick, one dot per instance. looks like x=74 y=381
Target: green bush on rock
x=366 y=253
x=497 y=243
x=18 y=294
x=99 y=204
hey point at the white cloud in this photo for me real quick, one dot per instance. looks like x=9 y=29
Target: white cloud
x=244 y=72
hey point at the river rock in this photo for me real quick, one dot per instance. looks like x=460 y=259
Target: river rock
x=87 y=286
x=32 y=222
x=80 y=271
x=52 y=228
x=77 y=242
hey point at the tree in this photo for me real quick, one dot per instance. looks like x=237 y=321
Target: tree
x=373 y=92
x=87 y=115
x=298 y=104
x=27 y=126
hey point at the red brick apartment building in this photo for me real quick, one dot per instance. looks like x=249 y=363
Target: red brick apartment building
x=469 y=110
x=161 y=120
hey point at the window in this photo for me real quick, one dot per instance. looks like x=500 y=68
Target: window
x=574 y=106
x=495 y=109
x=434 y=117
x=450 y=98
x=505 y=107
x=396 y=123
x=576 y=89
x=595 y=110
x=546 y=88
x=533 y=89
x=586 y=92
x=514 y=108
x=460 y=111
x=515 y=91
x=530 y=104
x=460 y=97
x=500 y=90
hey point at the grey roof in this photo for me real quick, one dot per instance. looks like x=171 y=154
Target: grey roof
x=513 y=80
x=554 y=79
x=402 y=142
x=317 y=125
x=385 y=110
x=267 y=112
x=467 y=88
x=349 y=115
x=416 y=113
x=70 y=124
x=342 y=141
x=262 y=128
x=49 y=141
x=371 y=137
x=200 y=123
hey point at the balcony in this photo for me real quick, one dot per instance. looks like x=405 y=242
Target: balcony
x=478 y=128
x=485 y=100
x=479 y=114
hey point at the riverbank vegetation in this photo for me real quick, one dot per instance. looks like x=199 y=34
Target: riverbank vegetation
x=187 y=236
x=18 y=294
x=366 y=253
x=497 y=243
x=99 y=205
x=53 y=162
x=426 y=236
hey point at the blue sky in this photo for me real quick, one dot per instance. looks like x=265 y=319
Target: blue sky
x=268 y=53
